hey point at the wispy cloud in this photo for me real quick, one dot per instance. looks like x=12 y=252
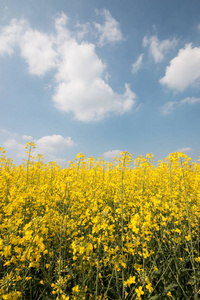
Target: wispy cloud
x=136 y=66
x=78 y=81
x=7 y=132
x=27 y=137
x=110 y=30
x=185 y=149
x=82 y=30
x=184 y=69
x=158 y=49
x=168 y=107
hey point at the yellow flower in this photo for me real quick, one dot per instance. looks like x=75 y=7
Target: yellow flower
x=7 y=251
x=76 y=289
x=28 y=278
x=130 y=281
x=197 y=259
x=149 y=287
x=139 y=291
x=65 y=297
x=14 y=295
x=155 y=269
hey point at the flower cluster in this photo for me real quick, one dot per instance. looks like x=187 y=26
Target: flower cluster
x=99 y=230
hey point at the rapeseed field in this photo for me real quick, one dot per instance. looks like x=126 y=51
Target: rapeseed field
x=99 y=230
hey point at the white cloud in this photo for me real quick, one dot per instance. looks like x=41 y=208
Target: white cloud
x=78 y=83
x=82 y=30
x=53 y=143
x=14 y=136
x=78 y=62
x=136 y=66
x=13 y=144
x=92 y=101
x=7 y=132
x=184 y=69
x=81 y=88
x=110 y=30
x=168 y=107
x=157 y=48
x=112 y=153
x=37 y=49
x=10 y=36
x=185 y=149
x=48 y=146
x=190 y=100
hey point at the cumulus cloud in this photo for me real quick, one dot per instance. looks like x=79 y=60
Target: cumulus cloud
x=49 y=146
x=13 y=144
x=37 y=50
x=10 y=36
x=168 y=107
x=112 y=153
x=110 y=30
x=184 y=69
x=53 y=143
x=158 y=49
x=136 y=66
x=81 y=89
x=78 y=82
x=92 y=101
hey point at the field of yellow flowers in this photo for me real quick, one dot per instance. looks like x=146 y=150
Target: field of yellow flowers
x=99 y=230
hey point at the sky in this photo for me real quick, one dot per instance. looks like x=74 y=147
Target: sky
x=99 y=77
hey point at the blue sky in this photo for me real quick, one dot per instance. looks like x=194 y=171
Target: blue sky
x=100 y=77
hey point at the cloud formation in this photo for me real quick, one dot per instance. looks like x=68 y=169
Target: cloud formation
x=112 y=153
x=46 y=145
x=27 y=137
x=185 y=149
x=10 y=36
x=136 y=66
x=110 y=30
x=79 y=83
x=168 y=107
x=53 y=143
x=158 y=49
x=184 y=69
x=37 y=50
x=13 y=144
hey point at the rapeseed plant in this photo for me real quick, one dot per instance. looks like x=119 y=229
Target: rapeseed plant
x=98 y=230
